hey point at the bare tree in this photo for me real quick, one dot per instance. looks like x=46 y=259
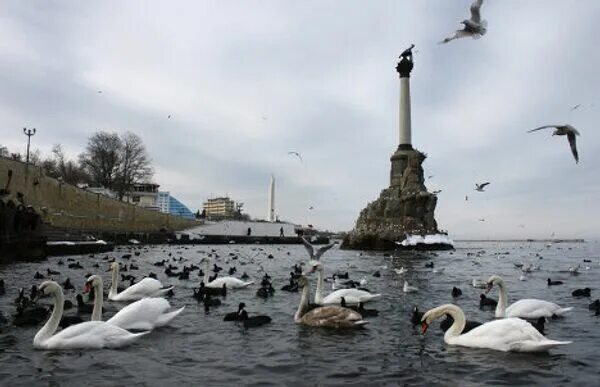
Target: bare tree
x=60 y=166
x=4 y=151
x=102 y=158
x=134 y=164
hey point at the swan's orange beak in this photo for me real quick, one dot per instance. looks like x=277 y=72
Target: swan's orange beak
x=86 y=288
x=424 y=327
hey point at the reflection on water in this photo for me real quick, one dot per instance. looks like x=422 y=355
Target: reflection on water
x=200 y=349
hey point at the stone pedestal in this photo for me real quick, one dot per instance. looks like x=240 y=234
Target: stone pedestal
x=403 y=208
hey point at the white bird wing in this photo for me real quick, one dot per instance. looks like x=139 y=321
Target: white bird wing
x=475 y=11
x=457 y=35
x=531 y=308
x=91 y=334
x=141 y=315
x=144 y=288
x=542 y=127
x=322 y=250
x=500 y=334
x=309 y=248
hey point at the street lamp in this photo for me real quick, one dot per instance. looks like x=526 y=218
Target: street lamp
x=28 y=133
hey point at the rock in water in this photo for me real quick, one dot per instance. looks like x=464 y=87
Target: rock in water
x=404 y=208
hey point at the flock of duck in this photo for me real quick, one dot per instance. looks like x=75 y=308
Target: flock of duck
x=142 y=306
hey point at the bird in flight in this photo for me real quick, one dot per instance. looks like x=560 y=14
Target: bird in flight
x=564 y=130
x=437 y=191
x=169 y=116
x=481 y=187
x=576 y=107
x=473 y=27
x=296 y=154
x=99 y=91
x=466 y=198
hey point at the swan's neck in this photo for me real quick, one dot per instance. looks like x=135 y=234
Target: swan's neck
x=114 y=281
x=52 y=324
x=303 y=304
x=502 y=299
x=319 y=291
x=458 y=326
x=98 y=302
x=206 y=269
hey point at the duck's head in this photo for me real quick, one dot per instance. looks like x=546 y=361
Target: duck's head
x=92 y=282
x=241 y=306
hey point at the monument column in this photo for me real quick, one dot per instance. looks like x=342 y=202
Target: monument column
x=400 y=158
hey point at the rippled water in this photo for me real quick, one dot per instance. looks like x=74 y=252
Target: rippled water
x=201 y=349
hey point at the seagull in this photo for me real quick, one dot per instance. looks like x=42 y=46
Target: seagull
x=311 y=251
x=311 y=208
x=169 y=116
x=564 y=130
x=576 y=107
x=481 y=187
x=474 y=27
x=430 y=176
x=436 y=191
x=482 y=220
x=466 y=198
x=296 y=154
x=99 y=91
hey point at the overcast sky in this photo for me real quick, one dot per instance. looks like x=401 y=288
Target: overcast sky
x=245 y=82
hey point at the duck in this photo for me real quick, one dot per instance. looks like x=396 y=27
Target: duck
x=486 y=301
x=335 y=317
x=147 y=287
x=222 y=291
x=586 y=292
x=142 y=315
x=594 y=305
x=292 y=286
x=360 y=308
x=38 y=275
x=30 y=315
x=409 y=289
x=456 y=292
x=67 y=285
x=448 y=321
x=352 y=296
x=2 y=289
x=416 y=316
x=553 y=283
x=525 y=308
x=82 y=307
x=85 y=335
x=509 y=334
x=234 y=316
x=254 y=321
x=230 y=282
x=52 y=272
x=209 y=301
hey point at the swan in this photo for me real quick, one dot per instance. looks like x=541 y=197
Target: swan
x=147 y=287
x=510 y=334
x=526 y=308
x=325 y=316
x=352 y=296
x=89 y=334
x=229 y=282
x=142 y=315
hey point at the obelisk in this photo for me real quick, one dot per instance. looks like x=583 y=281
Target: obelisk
x=271 y=201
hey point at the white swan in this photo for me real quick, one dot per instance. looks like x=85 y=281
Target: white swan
x=352 y=296
x=325 y=316
x=229 y=282
x=527 y=308
x=148 y=287
x=510 y=334
x=142 y=315
x=89 y=334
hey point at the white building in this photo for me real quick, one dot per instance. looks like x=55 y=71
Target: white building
x=271 y=201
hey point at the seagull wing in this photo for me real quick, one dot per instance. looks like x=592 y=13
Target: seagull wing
x=322 y=250
x=576 y=107
x=571 y=137
x=572 y=129
x=309 y=247
x=457 y=35
x=475 y=14
x=482 y=185
x=542 y=127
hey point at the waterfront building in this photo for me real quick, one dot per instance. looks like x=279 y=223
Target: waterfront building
x=219 y=208
x=170 y=205
x=144 y=195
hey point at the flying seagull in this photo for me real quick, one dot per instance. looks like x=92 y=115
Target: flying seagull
x=481 y=187
x=436 y=191
x=296 y=154
x=474 y=27
x=311 y=251
x=576 y=107
x=564 y=130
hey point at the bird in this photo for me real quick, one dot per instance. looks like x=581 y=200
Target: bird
x=254 y=321
x=456 y=292
x=473 y=27
x=235 y=316
x=311 y=251
x=576 y=107
x=552 y=283
x=437 y=191
x=466 y=198
x=581 y=292
x=481 y=187
x=485 y=301
x=509 y=334
x=297 y=154
x=564 y=130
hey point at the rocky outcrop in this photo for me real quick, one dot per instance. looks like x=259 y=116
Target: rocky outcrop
x=404 y=208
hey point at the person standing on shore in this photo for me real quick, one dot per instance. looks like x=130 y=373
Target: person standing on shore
x=281 y=232
x=249 y=232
